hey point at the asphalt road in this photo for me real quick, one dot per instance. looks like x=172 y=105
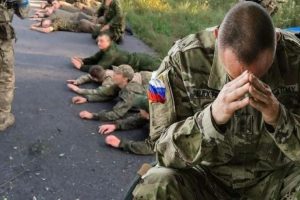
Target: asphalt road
x=50 y=153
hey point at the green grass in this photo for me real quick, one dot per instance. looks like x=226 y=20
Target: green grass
x=161 y=22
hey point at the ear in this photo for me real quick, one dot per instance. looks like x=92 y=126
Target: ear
x=216 y=32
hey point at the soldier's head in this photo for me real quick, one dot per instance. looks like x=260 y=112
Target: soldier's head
x=123 y=74
x=97 y=73
x=46 y=23
x=270 y=5
x=104 y=41
x=246 y=40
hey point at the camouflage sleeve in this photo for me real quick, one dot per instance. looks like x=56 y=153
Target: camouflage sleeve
x=119 y=110
x=84 y=79
x=103 y=93
x=182 y=141
x=131 y=122
x=287 y=133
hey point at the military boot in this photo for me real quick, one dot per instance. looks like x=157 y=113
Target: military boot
x=6 y=121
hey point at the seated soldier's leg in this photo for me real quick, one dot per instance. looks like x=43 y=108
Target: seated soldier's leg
x=283 y=184
x=7 y=83
x=82 y=15
x=166 y=183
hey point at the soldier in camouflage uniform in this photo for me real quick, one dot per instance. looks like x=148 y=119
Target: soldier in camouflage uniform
x=125 y=88
x=133 y=121
x=7 y=76
x=110 y=55
x=227 y=126
x=270 y=5
x=105 y=79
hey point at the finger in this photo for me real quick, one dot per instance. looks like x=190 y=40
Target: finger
x=238 y=93
x=257 y=105
x=259 y=84
x=258 y=95
x=239 y=82
x=238 y=78
x=237 y=105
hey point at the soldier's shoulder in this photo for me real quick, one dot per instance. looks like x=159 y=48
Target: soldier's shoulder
x=289 y=37
x=204 y=39
x=133 y=86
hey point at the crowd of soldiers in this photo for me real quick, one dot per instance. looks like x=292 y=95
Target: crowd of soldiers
x=118 y=73
x=222 y=107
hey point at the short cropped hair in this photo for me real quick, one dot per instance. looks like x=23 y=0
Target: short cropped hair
x=247 y=30
x=97 y=72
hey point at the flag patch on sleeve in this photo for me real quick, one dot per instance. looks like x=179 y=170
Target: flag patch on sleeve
x=157 y=91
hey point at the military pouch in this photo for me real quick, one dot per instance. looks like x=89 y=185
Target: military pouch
x=6 y=32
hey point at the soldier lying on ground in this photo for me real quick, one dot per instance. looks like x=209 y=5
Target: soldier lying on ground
x=133 y=121
x=228 y=123
x=103 y=78
x=124 y=88
x=110 y=55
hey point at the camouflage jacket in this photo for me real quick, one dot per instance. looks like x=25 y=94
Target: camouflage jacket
x=247 y=151
x=125 y=103
x=115 y=56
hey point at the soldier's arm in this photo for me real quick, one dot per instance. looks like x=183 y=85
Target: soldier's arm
x=119 y=110
x=42 y=30
x=83 y=79
x=93 y=60
x=132 y=122
x=104 y=93
x=183 y=143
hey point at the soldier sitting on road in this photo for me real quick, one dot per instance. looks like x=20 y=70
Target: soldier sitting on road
x=125 y=88
x=110 y=55
x=228 y=126
x=133 y=121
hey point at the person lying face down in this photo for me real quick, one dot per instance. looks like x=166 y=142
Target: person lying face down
x=109 y=54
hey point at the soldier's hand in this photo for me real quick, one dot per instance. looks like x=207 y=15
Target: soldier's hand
x=85 y=115
x=73 y=87
x=79 y=100
x=231 y=98
x=72 y=82
x=77 y=62
x=107 y=128
x=263 y=100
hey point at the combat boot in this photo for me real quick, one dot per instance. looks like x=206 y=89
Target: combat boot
x=6 y=121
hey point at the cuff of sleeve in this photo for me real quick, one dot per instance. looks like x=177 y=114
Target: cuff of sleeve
x=85 y=68
x=206 y=124
x=118 y=125
x=280 y=123
x=96 y=116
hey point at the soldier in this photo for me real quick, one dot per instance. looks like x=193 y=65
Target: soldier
x=132 y=121
x=104 y=78
x=110 y=55
x=124 y=88
x=7 y=76
x=227 y=120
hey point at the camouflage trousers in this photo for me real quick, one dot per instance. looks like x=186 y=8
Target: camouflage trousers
x=137 y=147
x=195 y=184
x=7 y=82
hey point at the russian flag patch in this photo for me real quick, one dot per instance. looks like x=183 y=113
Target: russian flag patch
x=157 y=91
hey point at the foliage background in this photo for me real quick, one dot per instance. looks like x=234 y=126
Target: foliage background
x=161 y=22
